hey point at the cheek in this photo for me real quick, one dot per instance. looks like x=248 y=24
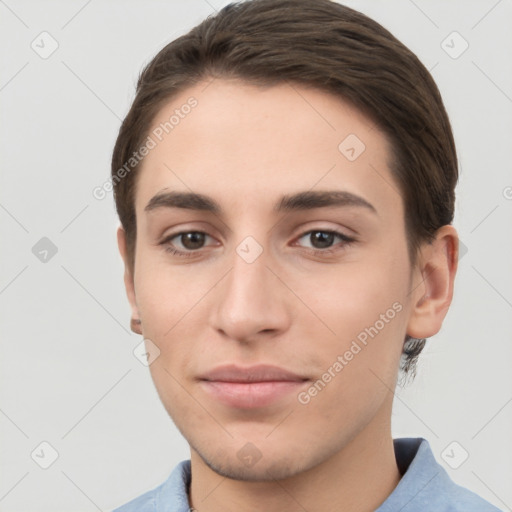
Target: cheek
x=358 y=367
x=354 y=297
x=165 y=296
x=364 y=308
x=174 y=304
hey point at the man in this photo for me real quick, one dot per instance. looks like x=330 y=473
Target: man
x=285 y=183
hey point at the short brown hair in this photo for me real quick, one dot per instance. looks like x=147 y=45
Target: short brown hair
x=327 y=46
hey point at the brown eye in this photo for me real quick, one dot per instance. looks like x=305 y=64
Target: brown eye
x=186 y=243
x=324 y=239
x=192 y=240
x=321 y=239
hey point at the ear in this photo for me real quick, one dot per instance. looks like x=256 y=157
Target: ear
x=432 y=283
x=135 y=323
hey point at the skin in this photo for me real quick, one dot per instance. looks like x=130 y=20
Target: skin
x=245 y=147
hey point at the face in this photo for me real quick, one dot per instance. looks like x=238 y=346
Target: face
x=279 y=298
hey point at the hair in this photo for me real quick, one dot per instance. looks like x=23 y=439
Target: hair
x=327 y=46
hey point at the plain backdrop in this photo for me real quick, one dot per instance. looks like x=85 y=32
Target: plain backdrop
x=68 y=375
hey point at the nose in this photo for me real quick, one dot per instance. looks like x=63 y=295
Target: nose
x=251 y=301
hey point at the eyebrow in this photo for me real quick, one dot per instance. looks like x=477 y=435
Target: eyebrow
x=306 y=200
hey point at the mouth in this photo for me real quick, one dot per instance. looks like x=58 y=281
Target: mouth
x=251 y=387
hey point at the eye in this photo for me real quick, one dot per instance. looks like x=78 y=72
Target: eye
x=322 y=240
x=185 y=243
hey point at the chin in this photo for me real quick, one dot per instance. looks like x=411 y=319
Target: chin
x=261 y=471
x=249 y=464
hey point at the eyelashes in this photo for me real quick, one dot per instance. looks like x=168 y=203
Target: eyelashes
x=169 y=247
x=200 y=236
x=331 y=234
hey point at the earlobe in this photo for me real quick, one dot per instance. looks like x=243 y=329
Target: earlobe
x=432 y=290
x=135 y=323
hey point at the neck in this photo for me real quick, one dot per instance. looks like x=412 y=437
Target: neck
x=338 y=483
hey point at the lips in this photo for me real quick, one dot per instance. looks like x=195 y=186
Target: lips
x=259 y=373
x=251 y=387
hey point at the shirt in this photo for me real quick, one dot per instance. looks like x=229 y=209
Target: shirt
x=425 y=486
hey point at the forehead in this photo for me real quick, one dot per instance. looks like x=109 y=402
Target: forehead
x=248 y=145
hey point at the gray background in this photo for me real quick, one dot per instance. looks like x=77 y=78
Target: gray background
x=68 y=373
